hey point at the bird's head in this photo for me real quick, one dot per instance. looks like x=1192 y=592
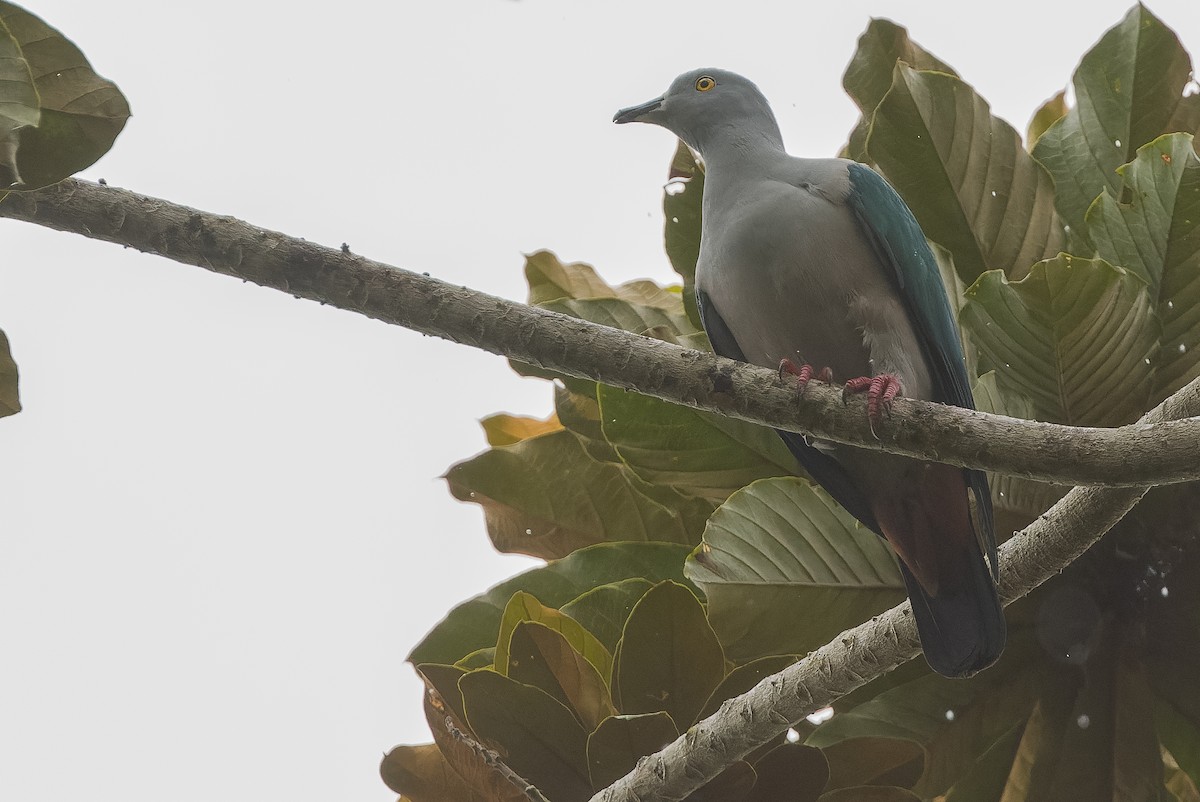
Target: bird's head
x=707 y=105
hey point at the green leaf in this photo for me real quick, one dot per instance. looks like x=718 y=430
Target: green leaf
x=422 y=774
x=1073 y=338
x=614 y=748
x=964 y=173
x=868 y=77
x=81 y=113
x=682 y=202
x=669 y=658
x=1155 y=233
x=743 y=678
x=475 y=624
x=547 y=497
x=544 y=658
x=525 y=607
x=604 y=610
x=794 y=772
x=538 y=737
x=700 y=453
x=954 y=721
x=784 y=569
x=1047 y=115
x=10 y=399
x=1128 y=88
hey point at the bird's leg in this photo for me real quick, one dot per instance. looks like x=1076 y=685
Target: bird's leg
x=881 y=390
x=803 y=374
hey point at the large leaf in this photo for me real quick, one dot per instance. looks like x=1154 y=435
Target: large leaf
x=868 y=77
x=784 y=569
x=547 y=497
x=669 y=658
x=474 y=624
x=1128 y=89
x=524 y=607
x=700 y=453
x=1154 y=231
x=1073 y=338
x=538 y=737
x=81 y=113
x=615 y=747
x=965 y=175
x=541 y=657
x=10 y=399
x=682 y=210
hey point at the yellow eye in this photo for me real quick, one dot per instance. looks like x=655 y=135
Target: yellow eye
x=704 y=83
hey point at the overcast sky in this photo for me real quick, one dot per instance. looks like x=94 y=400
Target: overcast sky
x=221 y=523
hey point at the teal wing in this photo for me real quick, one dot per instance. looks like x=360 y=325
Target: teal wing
x=900 y=244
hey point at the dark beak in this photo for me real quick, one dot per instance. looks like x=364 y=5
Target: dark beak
x=634 y=114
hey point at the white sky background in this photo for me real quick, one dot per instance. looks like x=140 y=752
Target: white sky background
x=222 y=528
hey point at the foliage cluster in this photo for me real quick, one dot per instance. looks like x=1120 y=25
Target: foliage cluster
x=1073 y=260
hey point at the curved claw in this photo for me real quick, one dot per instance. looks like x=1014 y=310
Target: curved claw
x=881 y=391
x=803 y=373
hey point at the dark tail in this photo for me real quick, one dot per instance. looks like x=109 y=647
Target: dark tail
x=953 y=597
x=922 y=510
x=962 y=628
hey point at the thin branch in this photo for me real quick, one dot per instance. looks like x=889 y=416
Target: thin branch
x=875 y=647
x=1129 y=456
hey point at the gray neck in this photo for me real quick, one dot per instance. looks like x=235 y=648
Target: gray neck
x=741 y=148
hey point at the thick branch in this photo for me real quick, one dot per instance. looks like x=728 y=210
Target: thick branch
x=1128 y=456
x=874 y=648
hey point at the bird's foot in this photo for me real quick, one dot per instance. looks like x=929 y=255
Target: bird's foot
x=803 y=373
x=881 y=390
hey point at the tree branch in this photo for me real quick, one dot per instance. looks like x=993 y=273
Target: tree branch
x=873 y=648
x=1129 y=456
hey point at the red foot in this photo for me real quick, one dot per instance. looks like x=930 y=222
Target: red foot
x=881 y=390
x=803 y=374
